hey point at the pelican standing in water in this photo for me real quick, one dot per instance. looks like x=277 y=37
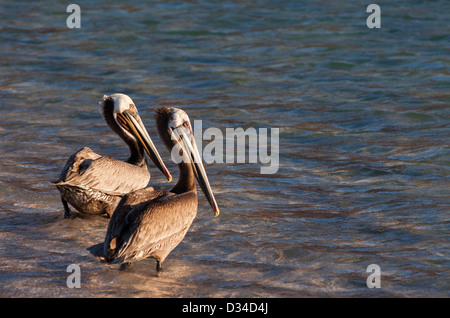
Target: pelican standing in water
x=95 y=184
x=149 y=223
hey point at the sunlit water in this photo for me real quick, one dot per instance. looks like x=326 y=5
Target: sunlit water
x=364 y=144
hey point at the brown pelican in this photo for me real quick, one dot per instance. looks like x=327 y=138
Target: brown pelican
x=149 y=223
x=94 y=184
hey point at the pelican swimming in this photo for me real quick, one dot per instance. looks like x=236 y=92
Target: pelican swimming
x=151 y=223
x=95 y=184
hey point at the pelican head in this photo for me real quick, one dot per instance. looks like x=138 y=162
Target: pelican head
x=179 y=130
x=121 y=114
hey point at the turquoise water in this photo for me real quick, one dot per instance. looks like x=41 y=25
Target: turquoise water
x=363 y=116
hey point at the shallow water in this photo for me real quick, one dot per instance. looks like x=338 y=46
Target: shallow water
x=364 y=144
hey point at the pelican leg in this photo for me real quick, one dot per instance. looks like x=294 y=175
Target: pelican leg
x=159 y=266
x=66 y=208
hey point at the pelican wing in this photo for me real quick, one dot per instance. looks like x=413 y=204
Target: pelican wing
x=148 y=224
x=88 y=170
x=70 y=170
x=136 y=200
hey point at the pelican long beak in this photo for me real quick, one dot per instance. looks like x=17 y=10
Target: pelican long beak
x=133 y=123
x=188 y=144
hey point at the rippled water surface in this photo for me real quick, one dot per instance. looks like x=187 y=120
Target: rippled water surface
x=363 y=116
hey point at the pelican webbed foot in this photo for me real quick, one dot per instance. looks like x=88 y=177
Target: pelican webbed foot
x=125 y=266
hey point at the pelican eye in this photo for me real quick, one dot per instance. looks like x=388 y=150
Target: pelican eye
x=185 y=124
x=131 y=106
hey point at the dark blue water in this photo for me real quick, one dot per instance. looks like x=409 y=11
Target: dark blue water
x=363 y=116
